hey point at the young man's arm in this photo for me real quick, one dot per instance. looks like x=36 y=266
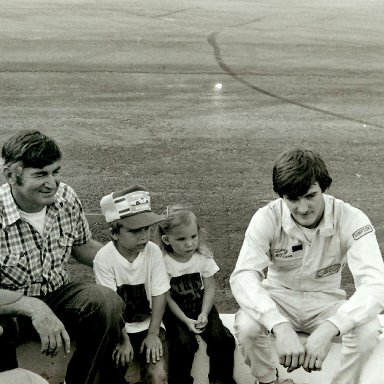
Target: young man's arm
x=51 y=330
x=246 y=279
x=85 y=253
x=366 y=265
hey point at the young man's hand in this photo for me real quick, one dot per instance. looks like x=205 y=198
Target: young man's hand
x=153 y=348
x=289 y=348
x=318 y=345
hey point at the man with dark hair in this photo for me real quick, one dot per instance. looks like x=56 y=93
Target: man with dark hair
x=42 y=224
x=303 y=240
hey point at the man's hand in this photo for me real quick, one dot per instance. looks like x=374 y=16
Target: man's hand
x=51 y=330
x=318 y=345
x=289 y=348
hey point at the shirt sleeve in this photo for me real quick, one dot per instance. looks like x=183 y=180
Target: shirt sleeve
x=104 y=274
x=366 y=265
x=248 y=274
x=159 y=276
x=209 y=266
x=83 y=233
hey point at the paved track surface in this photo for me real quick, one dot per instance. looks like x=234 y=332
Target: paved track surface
x=74 y=65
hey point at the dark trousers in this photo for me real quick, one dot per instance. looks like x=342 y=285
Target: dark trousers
x=92 y=314
x=183 y=346
x=151 y=373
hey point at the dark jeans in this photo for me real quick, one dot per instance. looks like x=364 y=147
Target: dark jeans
x=92 y=314
x=150 y=373
x=183 y=346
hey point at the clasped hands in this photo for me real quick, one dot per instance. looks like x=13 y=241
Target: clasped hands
x=311 y=354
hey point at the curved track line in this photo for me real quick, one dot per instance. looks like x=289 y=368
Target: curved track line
x=212 y=40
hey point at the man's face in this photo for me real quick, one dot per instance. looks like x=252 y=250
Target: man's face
x=36 y=188
x=307 y=210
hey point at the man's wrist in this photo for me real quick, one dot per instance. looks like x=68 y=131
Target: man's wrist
x=281 y=328
x=331 y=328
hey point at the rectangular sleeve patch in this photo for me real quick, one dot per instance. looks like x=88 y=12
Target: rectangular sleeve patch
x=362 y=232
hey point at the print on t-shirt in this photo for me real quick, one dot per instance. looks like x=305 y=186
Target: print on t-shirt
x=136 y=302
x=187 y=292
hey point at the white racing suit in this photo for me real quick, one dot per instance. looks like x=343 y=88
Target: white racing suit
x=303 y=284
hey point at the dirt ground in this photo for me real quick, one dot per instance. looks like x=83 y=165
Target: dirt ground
x=129 y=90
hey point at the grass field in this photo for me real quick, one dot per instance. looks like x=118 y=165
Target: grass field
x=128 y=91
x=225 y=179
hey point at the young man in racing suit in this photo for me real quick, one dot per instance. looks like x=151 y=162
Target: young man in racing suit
x=304 y=239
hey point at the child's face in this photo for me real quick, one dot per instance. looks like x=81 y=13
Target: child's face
x=131 y=241
x=184 y=239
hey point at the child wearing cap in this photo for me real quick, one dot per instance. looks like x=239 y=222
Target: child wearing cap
x=133 y=266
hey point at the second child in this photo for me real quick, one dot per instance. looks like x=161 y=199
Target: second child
x=190 y=302
x=133 y=266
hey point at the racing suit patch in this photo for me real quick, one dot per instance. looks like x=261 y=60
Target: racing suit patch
x=281 y=254
x=362 y=232
x=327 y=271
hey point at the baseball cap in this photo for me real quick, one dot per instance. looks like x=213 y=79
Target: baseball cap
x=131 y=206
x=8 y=297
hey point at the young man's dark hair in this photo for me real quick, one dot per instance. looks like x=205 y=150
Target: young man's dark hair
x=32 y=148
x=296 y=170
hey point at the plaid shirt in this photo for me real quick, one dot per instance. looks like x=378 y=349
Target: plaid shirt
x=35 y=264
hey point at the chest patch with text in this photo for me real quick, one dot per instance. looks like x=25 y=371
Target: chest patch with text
x=327 y=271
x=281 y=254
x=362 y=232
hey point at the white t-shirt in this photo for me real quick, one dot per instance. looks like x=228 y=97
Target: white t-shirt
x=37 y=219
x=186 y=279
x=135 y=282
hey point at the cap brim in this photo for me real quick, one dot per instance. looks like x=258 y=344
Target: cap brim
x=8 y=297
x=141 y=220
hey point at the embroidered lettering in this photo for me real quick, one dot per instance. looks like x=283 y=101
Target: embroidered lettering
x=327 y=271
x=362 y=232
x=281 y=254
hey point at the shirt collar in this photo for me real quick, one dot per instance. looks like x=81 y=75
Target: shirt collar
x=326 y=226
x=10 y=210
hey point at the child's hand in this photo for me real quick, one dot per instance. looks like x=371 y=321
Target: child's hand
x=202 y=321
x=153 y=348
x=123 y=354
x=192 y=326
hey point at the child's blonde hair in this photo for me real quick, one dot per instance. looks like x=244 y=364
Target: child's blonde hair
x=177 y=215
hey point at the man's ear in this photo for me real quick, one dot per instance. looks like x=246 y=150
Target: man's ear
x=10 y=175
x=165 y=239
